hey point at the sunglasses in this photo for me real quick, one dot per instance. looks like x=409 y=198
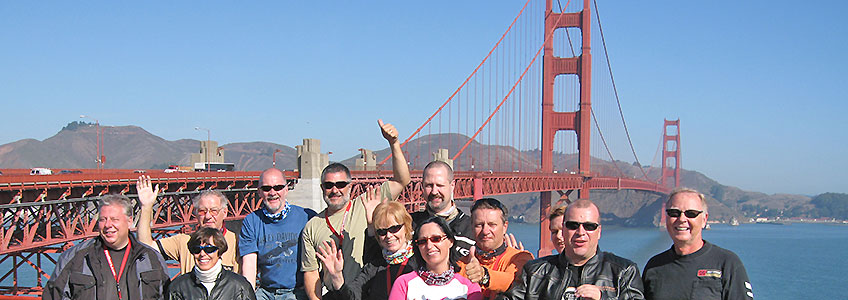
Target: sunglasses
x=392 y=229
x=267 y=188
x=338 y=184
x=589 y=226
x=209 y=249
x=689 y=213
x=433 y=239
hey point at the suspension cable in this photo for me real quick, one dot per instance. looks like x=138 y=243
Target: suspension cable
x=463 y=83
x=615 y=90
x=605 y=142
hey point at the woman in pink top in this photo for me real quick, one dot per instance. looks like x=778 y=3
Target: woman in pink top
x=436 y=279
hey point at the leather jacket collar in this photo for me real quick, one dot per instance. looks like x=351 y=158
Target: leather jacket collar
x=564 y=262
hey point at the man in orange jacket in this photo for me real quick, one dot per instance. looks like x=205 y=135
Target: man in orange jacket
x=494 y=264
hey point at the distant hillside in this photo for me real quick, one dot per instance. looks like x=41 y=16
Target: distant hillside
x=257 y=156
x=622 y=207
x=131 y=147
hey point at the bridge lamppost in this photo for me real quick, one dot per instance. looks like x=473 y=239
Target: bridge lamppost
x=274 y=160
x=98 y=141
x=208 y=135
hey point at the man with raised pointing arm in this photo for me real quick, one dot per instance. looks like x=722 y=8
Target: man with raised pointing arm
x=345 y=221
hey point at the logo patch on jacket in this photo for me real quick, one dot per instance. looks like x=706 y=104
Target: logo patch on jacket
x=709 y=273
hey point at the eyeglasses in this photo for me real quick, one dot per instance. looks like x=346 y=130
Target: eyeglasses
x=203 y=211
x=689 y=213
x=267 y=188
x=209 y=249
x=392 y=229
x=589 y=226
x=338 y=184
x=433 y=239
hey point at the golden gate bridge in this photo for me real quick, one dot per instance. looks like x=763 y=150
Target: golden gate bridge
x=539 y=72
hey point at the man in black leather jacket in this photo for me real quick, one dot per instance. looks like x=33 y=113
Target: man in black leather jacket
x=581 y=271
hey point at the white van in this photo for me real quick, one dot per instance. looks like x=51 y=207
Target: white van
x=40 y=171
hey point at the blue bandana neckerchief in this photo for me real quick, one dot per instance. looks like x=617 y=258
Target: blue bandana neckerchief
x=278 y=216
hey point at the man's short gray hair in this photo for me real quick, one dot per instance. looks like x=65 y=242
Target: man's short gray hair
x=225 y=203
x=117 y=199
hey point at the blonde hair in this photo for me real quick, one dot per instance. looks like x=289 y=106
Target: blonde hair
x=559 y=211
x=384 y=212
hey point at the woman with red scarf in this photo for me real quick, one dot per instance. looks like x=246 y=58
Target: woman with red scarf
x=436 y=276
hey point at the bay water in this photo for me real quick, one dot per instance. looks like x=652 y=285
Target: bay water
x=791 y=261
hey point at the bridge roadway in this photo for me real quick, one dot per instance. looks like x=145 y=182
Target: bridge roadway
x=47 y=213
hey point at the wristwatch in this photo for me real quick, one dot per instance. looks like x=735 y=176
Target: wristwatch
x=485 y=280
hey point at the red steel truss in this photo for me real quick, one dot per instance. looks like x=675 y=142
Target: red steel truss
x=43 y=219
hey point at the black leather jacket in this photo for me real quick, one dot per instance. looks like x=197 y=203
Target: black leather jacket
x=548 y=277
x=228 y=286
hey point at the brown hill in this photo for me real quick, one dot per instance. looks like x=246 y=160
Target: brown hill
x=623 y=207
x=257 y=156
x=131 y=147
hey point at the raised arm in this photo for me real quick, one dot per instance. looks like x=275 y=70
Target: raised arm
x=147 y=197
x=400 y=169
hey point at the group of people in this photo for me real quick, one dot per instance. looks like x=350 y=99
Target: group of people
x=370 y=247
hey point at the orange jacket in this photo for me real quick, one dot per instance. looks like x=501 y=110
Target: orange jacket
x=502 y=270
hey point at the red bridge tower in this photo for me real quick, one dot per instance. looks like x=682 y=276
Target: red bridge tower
x=671 y=153
x=553 y=121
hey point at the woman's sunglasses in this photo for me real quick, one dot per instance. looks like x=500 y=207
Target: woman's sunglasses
x=689 y=213
x=392 y=229
x=433 y=239
x=209 y=249
x=589 y=226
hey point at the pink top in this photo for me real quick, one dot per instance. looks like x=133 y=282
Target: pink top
x=410 y=286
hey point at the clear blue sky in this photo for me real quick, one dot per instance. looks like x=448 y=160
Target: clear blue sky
x=759 y=85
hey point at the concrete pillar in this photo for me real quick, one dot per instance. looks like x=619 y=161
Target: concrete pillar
x=442 y=155
x=310 y=161
x=367 y=161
